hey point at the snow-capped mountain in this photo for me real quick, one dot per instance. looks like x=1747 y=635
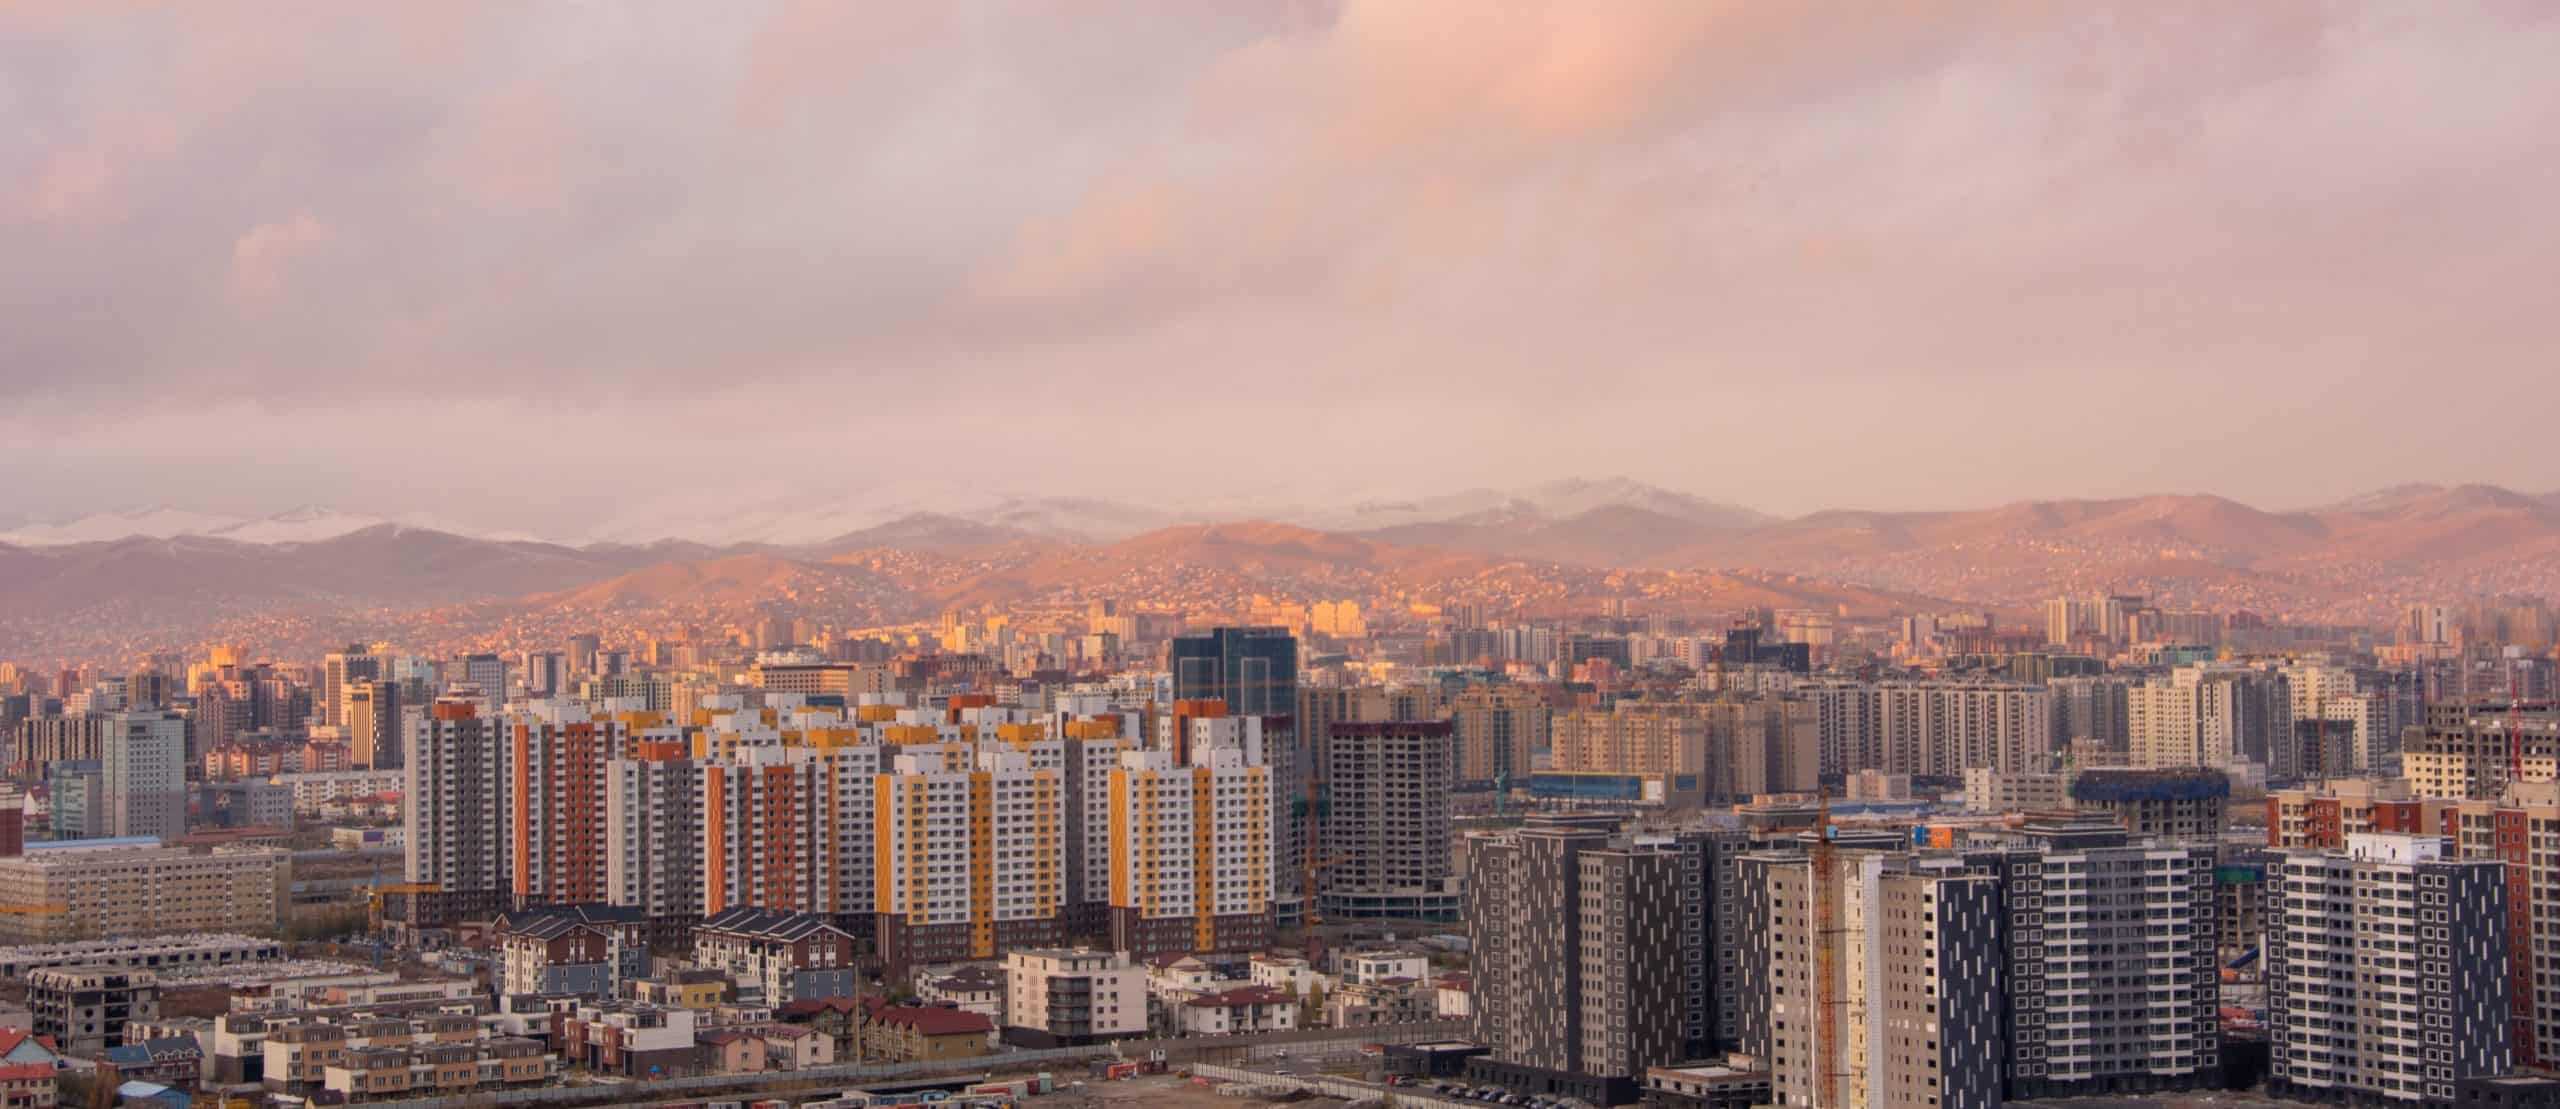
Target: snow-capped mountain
x=308 y=524
x=155 y=522
x=808 y=519
x=1555 y=500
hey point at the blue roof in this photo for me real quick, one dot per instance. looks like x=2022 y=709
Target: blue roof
x=80 y=844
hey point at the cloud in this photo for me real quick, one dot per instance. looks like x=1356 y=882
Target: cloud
x=1906 y=252
x=262 y=261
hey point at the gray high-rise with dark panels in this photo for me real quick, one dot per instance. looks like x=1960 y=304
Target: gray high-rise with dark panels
x=1254 y=670
x=1385 y=830
x=2387 y=972
x=2114 y=974
x=1577 y=951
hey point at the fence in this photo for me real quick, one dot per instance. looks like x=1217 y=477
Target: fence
x=1189 y=1050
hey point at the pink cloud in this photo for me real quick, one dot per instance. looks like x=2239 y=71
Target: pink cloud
x=264 y=259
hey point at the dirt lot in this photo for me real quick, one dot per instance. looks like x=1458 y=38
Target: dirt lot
x=1159 y=1090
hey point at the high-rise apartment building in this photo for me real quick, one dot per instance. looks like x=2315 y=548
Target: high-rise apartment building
x=1632 y=737
x=2472 y=747
x=581 y=654
x=1089 y=752
x=454 y=813
x=2387 y=976
x=969 y=861
x=654 y=843
x=2208 y=715
x=1385 y=836
x=142 y=773
x=556 y=781
x=338 y=669
x=546 y=673
x=1931 y=728
x=1576 y=949
x=2521 y=829
x=1191 y=866
x=1910 y=967
x=1497 y=726
x=797 y=828
x=2091 y=709
x=373 y=727
x=485 y=672
x=2113 y=983
x=1253 y=670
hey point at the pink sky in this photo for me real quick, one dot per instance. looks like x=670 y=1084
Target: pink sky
x=532 y=265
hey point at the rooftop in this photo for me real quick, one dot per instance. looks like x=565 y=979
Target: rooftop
x=932 y=1020
x=187 y=941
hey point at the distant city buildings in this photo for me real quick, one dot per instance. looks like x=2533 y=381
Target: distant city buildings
x=1912 y=859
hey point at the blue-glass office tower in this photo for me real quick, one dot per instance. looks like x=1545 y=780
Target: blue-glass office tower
x=1254 y=670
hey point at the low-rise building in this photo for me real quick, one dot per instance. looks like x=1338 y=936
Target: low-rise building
x=85 y=1009
x=633 y=1040
x=1283 y=972
x=690 y=988
x=314 y=788
x=443 y=1070
x=839 y=1019
x=176 y=1061
x=1450 y=996
x=911 y=1033
x=29 y=1071
x=148 y=953
x=1989 y=789
x=236 y=1042
x=977 y=988
x=1739 y=1082
x=1386 y=1001
x=1237 y=1010
x=121 y=887
x=589 y=950
x=298 y=1056
x=777 y=957
x=1368 y=968
x=1058 y=997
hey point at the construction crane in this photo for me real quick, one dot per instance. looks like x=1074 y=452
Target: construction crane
x=1826 y=961
x=2515 y=724
x=1314 y=868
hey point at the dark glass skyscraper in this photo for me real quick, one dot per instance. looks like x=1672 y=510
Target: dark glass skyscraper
x=1254 y=670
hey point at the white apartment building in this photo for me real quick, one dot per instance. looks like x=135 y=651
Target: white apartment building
x=454 y=808
x=143 y=773
x=1196 y=871
x=2387 y=971
x=1059 y=997
x=315 y=788
x=969 y=861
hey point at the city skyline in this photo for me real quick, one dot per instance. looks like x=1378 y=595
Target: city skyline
x=1921 y=260
x=1674 y=553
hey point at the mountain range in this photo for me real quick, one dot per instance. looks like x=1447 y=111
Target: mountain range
x=173 y=569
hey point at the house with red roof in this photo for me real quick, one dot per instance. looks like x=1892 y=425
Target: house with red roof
x=906 y=1033
x=29 y=1070
x=1242 y=1009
